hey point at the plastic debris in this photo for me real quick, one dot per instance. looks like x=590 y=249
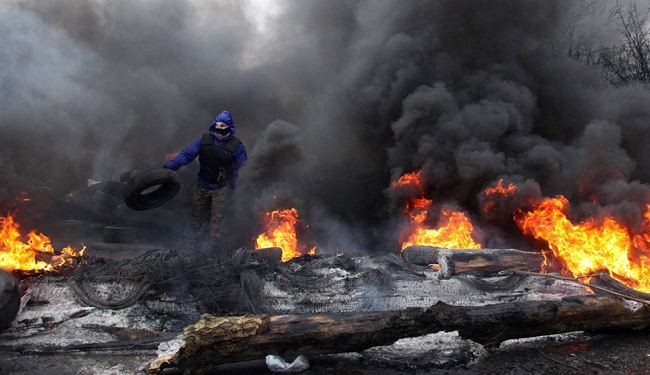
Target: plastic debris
x=277 y=364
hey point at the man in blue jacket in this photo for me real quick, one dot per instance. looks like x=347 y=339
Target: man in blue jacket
x=221 y=155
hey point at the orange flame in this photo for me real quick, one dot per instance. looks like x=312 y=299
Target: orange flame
x=454 y=231
x=281 y=232
x=31 y=255
x=591 y=245
x=497 y=191
x=413 y=179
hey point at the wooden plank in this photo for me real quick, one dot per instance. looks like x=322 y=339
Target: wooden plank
x=486 y=262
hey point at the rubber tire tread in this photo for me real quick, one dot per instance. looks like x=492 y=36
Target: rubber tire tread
x=169 y=187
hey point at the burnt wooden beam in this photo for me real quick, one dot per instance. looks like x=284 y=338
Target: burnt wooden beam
x=421 y=255
x=486 y=262
x=217 y=340
x=483 y=262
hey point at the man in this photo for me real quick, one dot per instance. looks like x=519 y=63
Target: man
x=221 y=155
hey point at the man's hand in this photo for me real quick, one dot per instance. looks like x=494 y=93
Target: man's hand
x=171 y=156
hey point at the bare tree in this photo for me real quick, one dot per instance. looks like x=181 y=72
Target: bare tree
x=578 y=40
x=629 y=60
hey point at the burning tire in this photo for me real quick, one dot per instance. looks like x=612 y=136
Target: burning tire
x=9 y=299
x=609 y=282
x=150 y=189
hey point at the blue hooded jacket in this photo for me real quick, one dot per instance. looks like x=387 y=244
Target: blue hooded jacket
x=192 y=151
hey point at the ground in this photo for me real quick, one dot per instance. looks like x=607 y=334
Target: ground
x=576 y=354
x=441 y=353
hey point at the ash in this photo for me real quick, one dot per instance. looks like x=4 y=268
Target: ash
x=387 y=283
x=160 y=292
x=437 y=350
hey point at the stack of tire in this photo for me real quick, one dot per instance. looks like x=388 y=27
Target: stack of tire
x=125 y=211
x=9 y=299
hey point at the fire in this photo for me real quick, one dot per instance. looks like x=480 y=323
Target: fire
x=592 y=245
x=413 y=179
x=499 y=189
x=454 y=233
x=281 y=232
x=454 y=230
x=35 y=254
x=497 y=192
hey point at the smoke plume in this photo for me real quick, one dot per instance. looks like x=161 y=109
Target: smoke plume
x=333 y=100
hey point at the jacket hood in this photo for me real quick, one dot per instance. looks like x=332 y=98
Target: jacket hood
x=226 y=118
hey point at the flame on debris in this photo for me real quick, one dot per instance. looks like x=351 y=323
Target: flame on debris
x=593 y=245
x=280 y=231
x=34 y=254
x=454 y=230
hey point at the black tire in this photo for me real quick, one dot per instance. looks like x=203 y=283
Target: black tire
x=103 y=204
x=100 y=198
x=126 y=176
x=113 y=188
x=609 y=282
x=137 y=196
x=9 y=299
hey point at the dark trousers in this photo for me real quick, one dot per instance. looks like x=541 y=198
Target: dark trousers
x=207 y=212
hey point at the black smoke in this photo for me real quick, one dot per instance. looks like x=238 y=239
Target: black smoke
x=334 y=101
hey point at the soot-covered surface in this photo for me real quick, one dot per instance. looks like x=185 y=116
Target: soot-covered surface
x=54 y=317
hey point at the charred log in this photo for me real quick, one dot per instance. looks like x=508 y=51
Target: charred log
x=508 y=282
x=421 y=255
x=216 y=340
x=486 y=262
x=271 y=255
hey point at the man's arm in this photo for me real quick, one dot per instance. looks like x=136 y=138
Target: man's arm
x=240 y=156
x=186 y=156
